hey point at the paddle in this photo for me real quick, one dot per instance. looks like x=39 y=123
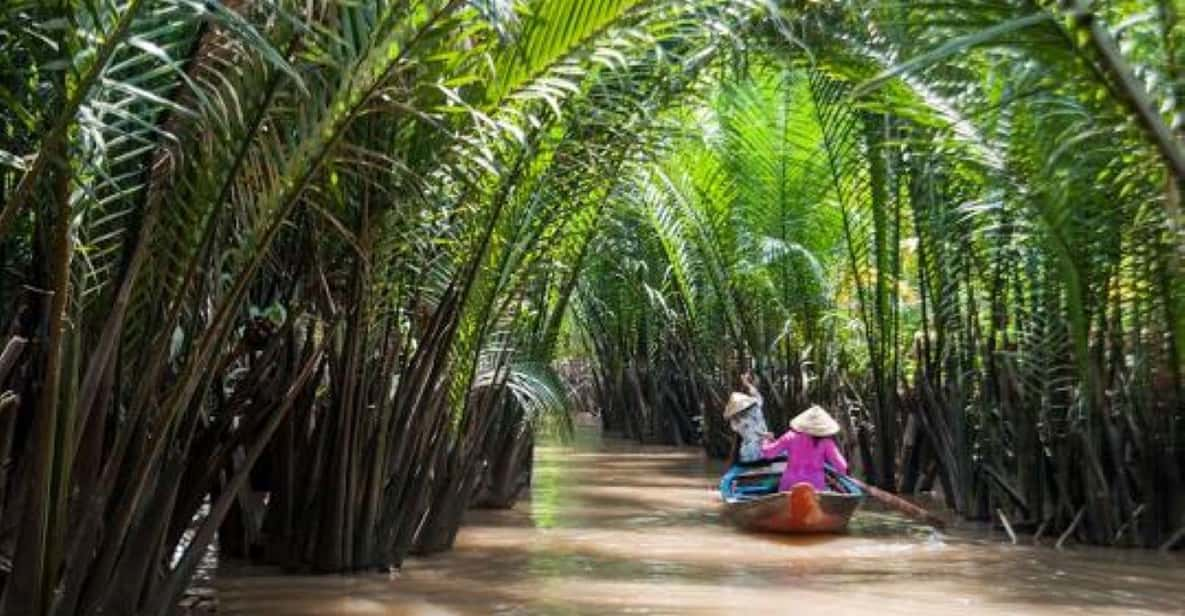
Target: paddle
x=899 y=504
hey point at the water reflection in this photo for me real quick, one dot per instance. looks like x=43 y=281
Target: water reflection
x=616 y=528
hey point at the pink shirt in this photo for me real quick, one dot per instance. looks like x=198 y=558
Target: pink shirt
x=807 y=456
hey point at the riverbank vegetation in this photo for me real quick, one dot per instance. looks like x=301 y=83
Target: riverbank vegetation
x=331 y=251
x=957 y=226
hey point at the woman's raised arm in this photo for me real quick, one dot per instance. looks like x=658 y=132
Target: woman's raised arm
x=771 y=448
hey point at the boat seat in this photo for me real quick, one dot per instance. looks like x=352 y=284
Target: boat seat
x=755 y=490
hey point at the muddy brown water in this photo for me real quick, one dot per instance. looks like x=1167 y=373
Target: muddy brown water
x=616 y=528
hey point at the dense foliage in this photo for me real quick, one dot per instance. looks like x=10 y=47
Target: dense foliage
x=957 y=225
x=330 y=250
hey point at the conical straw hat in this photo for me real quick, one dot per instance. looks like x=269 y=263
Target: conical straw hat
x=815 y=422
x=738 y=402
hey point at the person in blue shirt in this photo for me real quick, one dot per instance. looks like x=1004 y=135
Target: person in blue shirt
x=743 y=414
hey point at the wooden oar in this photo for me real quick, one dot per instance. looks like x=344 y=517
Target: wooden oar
x=899 y=504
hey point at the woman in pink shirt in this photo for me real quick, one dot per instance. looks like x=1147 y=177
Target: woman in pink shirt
x=809 y=445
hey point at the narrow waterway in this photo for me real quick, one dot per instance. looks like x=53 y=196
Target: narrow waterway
x=613 y=527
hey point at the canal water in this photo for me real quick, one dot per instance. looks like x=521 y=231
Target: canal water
x=611 y=527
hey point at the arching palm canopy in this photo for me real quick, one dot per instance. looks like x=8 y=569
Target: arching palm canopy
x=349 y=240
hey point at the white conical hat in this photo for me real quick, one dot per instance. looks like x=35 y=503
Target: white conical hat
x=738 y=402
x=815 y=422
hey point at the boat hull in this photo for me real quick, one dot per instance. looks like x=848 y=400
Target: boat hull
x=752 y=502
x=800 y=510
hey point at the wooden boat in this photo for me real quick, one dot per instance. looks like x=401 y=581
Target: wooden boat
x=752 y=502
